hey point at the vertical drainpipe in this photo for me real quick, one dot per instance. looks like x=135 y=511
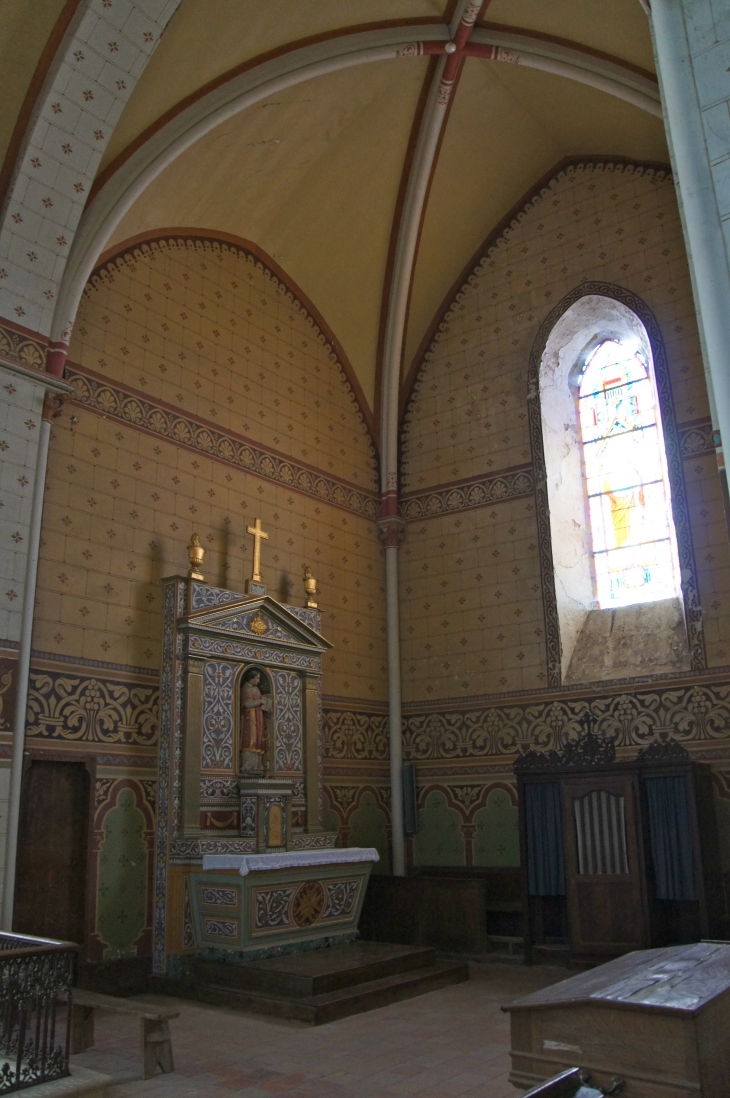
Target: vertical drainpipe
x=392 y=530
x=54 y=366
x=698 y=207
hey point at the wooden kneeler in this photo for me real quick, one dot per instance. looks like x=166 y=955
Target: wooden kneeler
x=154 y=1024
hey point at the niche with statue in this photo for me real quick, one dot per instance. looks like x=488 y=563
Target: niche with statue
x=250 y=718
x=240 y=765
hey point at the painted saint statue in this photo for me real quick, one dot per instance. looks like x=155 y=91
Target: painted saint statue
x=254 y=708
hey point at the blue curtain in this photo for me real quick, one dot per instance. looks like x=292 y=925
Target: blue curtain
x=544 y=838
x=671 y=838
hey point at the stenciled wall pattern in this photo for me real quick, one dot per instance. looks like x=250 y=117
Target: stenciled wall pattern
x=199 y=407
x=472 y=607
x=206 y=395
x=475 y=673
x=187 y=352
x=464 y=754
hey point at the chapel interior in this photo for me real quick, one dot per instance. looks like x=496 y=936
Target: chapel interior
x=365 y=545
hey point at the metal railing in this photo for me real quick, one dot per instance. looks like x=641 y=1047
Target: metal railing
x=36 y=977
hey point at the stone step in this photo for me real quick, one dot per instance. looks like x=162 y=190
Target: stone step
x=81 y=1081
x=331 y=1005
x=315 y=972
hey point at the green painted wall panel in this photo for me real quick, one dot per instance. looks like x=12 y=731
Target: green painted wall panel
x=122 y=885
x=439 y=840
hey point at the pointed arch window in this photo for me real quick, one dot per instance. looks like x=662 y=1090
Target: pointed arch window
x=629 y=503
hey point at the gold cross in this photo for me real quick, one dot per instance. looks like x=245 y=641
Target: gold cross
x=258 y=534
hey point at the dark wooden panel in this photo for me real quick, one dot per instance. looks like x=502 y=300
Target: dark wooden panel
x=50 y=891
x=660 y=1019
x=607 y=913
x=452 y=909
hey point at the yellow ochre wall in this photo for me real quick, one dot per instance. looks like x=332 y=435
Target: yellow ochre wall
x=475 y=671
x=202 y=329
x=206 y=395
x=472 y=609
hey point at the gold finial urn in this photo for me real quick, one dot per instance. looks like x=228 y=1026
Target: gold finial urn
x=196 y=552
x=310 y=588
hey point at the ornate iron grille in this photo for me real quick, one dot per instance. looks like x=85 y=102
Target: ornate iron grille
x=36 y=976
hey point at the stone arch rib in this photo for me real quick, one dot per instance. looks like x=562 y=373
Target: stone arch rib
x=104 y=51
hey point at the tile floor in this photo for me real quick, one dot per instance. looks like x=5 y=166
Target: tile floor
x=447 y=1044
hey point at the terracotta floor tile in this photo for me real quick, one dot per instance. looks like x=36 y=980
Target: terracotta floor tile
x=447 y=1044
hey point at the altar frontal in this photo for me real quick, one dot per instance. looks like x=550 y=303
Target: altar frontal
x=244 y=866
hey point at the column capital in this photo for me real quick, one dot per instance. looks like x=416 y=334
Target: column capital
x=392 y=531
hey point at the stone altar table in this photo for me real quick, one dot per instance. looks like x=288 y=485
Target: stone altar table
x=245 y=904
x=658 y=1018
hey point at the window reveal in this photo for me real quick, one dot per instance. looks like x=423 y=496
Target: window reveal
x=632 y=531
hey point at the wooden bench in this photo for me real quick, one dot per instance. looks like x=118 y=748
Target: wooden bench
x=156 y=1043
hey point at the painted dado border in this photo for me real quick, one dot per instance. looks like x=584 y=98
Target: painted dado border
x=695 y=439
x=491 y=735
x=64 y=707
x=672 y=446
x=163 y=421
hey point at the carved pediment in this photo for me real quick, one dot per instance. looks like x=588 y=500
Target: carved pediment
x=260 y=618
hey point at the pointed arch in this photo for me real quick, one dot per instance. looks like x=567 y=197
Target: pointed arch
x=680 y=511
x=141 y=244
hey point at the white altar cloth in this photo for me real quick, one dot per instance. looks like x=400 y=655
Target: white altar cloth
x=289 y=859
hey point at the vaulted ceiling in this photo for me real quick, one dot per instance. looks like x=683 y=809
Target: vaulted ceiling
x=311 y=175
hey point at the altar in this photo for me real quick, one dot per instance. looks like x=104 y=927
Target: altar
x=244 y=866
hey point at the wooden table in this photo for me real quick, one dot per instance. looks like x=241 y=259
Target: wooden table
x=659 y=1018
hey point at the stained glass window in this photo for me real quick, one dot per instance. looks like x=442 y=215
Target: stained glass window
x=634 y=544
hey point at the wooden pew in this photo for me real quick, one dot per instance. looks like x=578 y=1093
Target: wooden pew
x=155 y=1029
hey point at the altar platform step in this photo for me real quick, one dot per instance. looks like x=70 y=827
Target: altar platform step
x=321 y=985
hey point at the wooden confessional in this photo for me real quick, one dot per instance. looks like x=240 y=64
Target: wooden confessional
x=617 y=854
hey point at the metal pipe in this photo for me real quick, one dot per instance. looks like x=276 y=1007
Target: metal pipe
x=394 y=335
x=405 y=254
x=23 y=675
x=395 y=710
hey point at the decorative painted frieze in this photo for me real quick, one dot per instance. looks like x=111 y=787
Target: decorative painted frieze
x=131 y=407
x=91 y=709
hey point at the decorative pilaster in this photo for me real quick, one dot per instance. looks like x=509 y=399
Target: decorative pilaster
x=192 y=746
x=312 y=769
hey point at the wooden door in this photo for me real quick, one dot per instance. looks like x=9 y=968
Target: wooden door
x=50 y=891
x=605 y=879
